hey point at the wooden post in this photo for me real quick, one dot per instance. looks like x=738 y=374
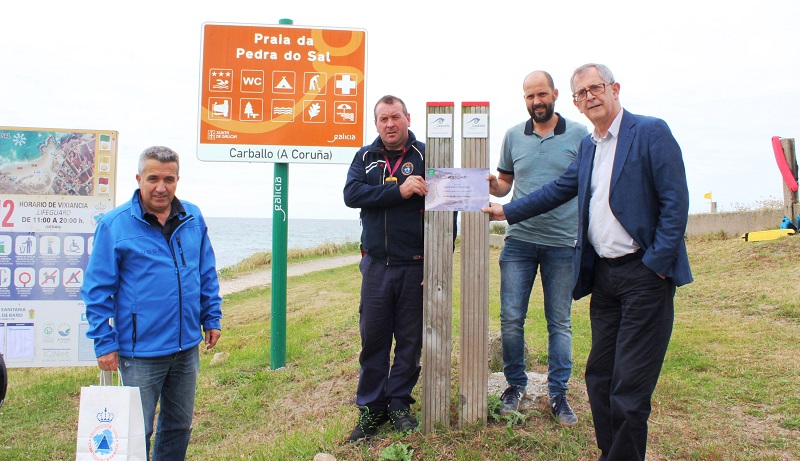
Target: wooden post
x=438 y=285
x=791 y=207
x=474 y=341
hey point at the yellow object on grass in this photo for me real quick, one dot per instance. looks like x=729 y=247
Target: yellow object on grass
x=771 y=234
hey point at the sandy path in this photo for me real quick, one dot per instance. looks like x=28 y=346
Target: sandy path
x=264 y=277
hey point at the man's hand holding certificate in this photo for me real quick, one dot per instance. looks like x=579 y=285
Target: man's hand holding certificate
x=456 y=189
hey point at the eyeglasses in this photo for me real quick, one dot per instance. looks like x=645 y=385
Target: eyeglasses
x=596 y=89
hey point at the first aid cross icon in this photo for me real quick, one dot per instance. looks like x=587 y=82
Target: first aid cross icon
x=346 y=84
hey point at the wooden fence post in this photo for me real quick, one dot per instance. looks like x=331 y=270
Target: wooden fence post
x=438 y=284
x=791 y=207
x=474 y=340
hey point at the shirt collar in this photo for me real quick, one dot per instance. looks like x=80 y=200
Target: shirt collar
x=561 y=126
x=176 y=210
x=613 y=130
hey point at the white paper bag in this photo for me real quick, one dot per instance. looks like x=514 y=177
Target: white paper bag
x=111 y=424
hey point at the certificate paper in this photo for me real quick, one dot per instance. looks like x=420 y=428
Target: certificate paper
x=456 y=189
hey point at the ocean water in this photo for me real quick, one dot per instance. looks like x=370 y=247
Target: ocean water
x=23 y=146
x=235 y=239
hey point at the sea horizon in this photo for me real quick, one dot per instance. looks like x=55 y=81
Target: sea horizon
x=235 y=239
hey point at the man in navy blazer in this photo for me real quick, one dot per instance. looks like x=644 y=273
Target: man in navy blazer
x=633 y=205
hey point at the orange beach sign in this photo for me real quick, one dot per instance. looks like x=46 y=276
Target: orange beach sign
x=281 y=94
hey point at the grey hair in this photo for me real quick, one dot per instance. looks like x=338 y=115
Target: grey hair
x=389 y=99
x=604 y=71
x=160 y=153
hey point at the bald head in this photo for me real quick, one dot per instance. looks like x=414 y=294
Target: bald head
x=539 y=75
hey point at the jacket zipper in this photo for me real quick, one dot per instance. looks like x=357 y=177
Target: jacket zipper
x=133 y=337
x=385 y=221
x=180 y=250
x=180 y=285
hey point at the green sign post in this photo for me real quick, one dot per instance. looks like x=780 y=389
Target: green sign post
x=280 y=225
x=280 y=237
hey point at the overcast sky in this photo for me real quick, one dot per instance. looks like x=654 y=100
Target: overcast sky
x=724 y=76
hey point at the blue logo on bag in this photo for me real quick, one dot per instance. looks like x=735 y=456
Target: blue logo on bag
x=103 y=443
x=105 y=416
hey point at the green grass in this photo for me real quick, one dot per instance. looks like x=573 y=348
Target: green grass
x=728 y=390
x=497 y=228
x=263 y=260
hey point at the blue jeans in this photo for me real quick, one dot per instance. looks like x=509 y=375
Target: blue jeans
x=519 y=262
x=173 y=380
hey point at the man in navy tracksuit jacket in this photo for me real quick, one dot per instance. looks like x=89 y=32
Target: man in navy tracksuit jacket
x=386 y=180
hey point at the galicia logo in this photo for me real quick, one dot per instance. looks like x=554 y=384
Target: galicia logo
x=103 y=441
x=475 y=121
x=342 y=137
x=438 y=121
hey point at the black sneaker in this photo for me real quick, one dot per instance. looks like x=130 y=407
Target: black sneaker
x=403 y=421
x=368 y=423
x=562 y=411
x=511 y=397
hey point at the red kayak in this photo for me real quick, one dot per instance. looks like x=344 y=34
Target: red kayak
x=786 y=172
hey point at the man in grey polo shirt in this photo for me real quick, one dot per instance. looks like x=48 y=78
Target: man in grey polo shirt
x=534 y=153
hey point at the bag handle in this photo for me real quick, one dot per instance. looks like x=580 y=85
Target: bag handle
x=106 y=378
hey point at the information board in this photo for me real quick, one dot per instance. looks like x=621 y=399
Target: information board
x=55 y=185
x=281 y=94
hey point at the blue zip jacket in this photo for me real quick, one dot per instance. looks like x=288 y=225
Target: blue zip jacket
x=392 y=228
x=159 y=293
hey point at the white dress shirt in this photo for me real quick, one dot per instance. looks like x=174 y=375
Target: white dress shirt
x=606 y=234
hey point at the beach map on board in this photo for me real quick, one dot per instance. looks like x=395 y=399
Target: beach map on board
x=47 y=163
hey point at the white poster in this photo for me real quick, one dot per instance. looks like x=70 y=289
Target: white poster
x=55 y=185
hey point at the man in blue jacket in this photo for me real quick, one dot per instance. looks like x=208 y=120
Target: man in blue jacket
x=386 y=181
x=152 y=295
x=633 y=207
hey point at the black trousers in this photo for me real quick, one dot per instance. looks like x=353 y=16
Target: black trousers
x=632 y=313
x=391 y=309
